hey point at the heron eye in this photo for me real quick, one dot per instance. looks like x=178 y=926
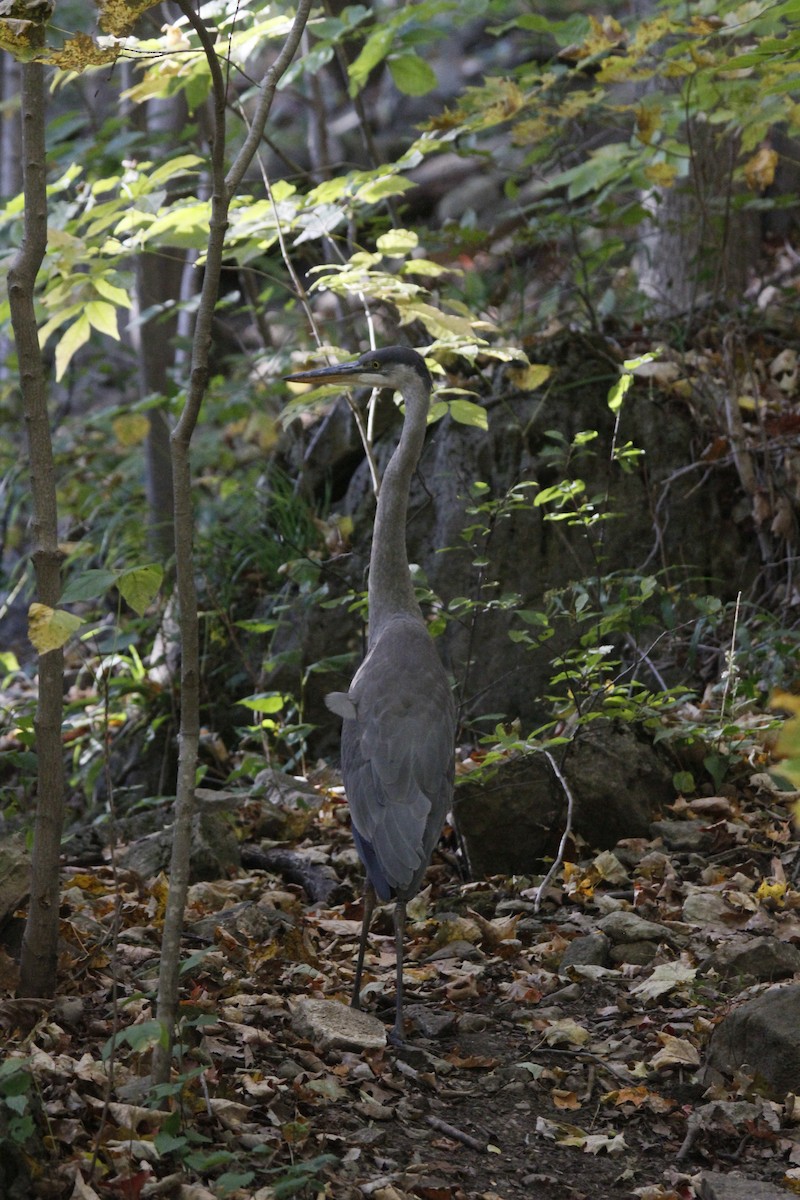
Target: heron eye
x=376 y=365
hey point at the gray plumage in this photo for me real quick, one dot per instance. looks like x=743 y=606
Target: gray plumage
x=398 y=714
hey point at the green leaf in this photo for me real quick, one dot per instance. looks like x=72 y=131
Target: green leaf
x=379 y=189
x=466 y=412
x=76 y=336
x=181 y=165
x=89 y=585
x=412 y=75
x=139 y=586
x=375 y=49
x=232 y=1181
x=271 y=702
x=618 y=392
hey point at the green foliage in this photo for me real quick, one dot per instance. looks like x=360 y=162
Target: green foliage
x=16 y=1085
x=115 y=193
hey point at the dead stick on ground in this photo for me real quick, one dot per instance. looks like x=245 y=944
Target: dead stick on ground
x=458 y=1134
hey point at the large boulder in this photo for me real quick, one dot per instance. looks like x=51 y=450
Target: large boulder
x=760 y=1038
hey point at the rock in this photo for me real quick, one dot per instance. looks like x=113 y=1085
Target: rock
x=681 y=835
x=591 y=950
x=431 y=1023
x=707 y=908
x=511 y=819
x=622 y=926
x=246 y=920
x=215 y=850
x=762 y=1038
x=15 y=875
x=327 y=1023
x=288 y=805
x=758 y=957
x=637 y=953
x=712 y=1185
x=529 y=555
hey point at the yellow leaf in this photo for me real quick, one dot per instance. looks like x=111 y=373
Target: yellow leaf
x=774 y=890
x=102 y=316
x=759 y=171
x=648 y=122
x=130 y=429
x=80 y=52
x=787 y=700
x=75 y=336
x=662 y=174
x=529 y=377
x=49 y=628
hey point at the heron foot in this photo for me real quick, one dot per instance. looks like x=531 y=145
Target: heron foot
x=396 y=1038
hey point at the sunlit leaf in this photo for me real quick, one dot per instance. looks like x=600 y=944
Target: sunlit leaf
x=466 y=412
x=397 y=243
x=379 y=189
x=110 y=291
x=76 y=336
x=102 y=316
x=272 y=702
x=529 y=376
x=49 y=628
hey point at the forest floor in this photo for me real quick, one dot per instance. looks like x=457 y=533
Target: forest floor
x=523 y=1076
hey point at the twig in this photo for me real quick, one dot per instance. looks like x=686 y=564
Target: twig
x=731 y=669
x=458 y=1134
x=559 y=858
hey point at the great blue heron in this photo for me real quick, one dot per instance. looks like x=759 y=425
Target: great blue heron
x=399 y=717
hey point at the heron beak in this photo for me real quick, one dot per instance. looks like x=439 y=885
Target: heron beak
x=346 y=373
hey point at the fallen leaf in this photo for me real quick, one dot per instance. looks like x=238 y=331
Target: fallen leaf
x=675 y=1051
x=664 y=978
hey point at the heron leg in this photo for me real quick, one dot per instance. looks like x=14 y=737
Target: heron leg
x=369 y=905
x=396 y=1036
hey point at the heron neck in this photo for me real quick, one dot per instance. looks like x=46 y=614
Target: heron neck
x=390 y=590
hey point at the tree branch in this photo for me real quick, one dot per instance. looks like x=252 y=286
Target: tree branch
x=40 y=942
x=222 y=191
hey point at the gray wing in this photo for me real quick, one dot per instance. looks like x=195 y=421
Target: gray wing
x=397 y=757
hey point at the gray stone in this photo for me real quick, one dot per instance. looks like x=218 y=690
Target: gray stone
x=623 y=926
x=758 y=957
x=636 y=953
x=327 y=1023
x=246 y=920
x=214 y=854
x=681 y=835
x=591 y=950
x=15 y=875
x=761 y=1038
x=713 y=1185
x=512 y=818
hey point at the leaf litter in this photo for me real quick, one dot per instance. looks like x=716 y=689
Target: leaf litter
x=523 y=1074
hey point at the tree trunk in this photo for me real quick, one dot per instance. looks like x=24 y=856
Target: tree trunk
x=40 y=942
x=699 y=246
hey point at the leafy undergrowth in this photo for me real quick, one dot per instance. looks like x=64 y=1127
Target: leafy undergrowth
x=521 y=1076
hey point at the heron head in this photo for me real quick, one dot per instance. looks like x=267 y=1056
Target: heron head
x=396 y=367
